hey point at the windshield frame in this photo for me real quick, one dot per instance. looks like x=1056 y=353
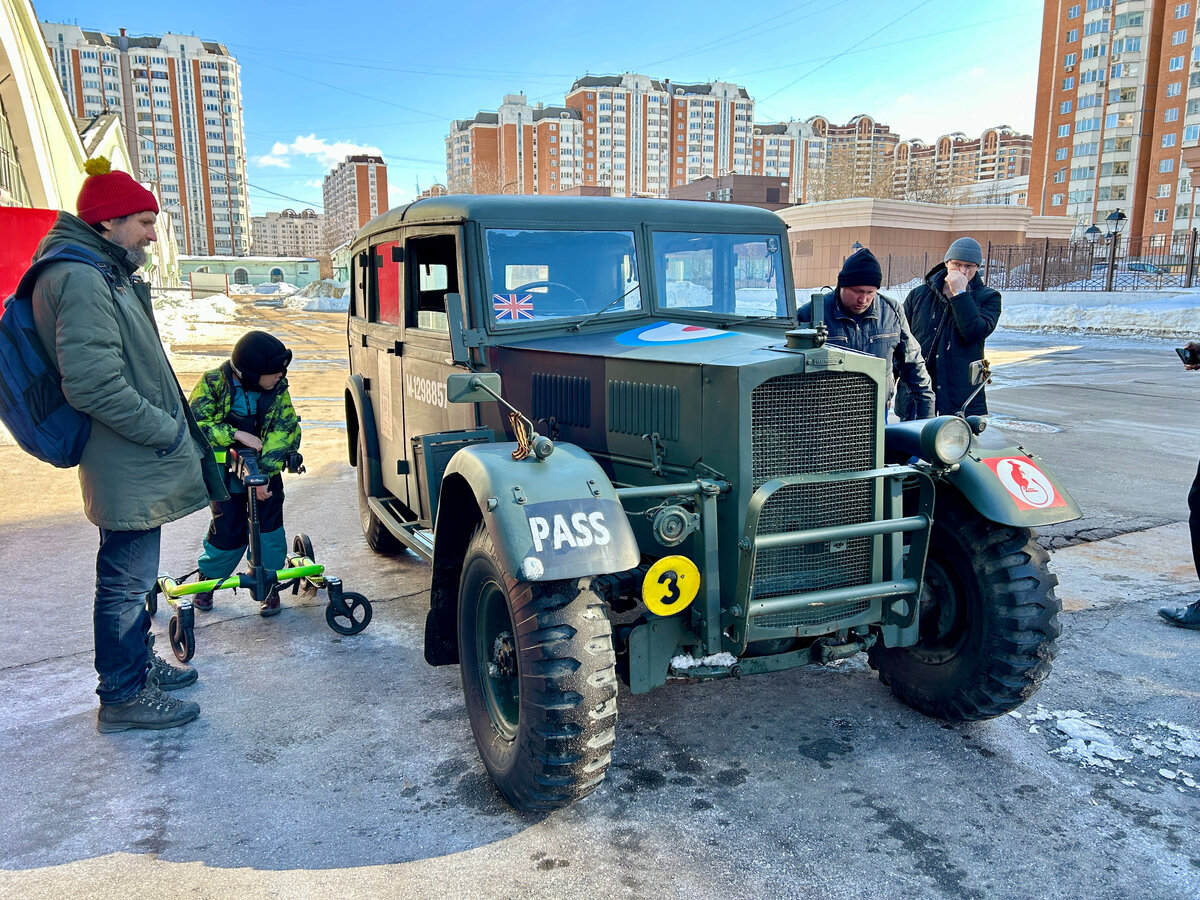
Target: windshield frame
x=618 y=314
x=780 y=269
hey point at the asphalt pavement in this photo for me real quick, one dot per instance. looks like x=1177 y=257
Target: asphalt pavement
x=327 y=766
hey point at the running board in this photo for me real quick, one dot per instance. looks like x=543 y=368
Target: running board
x=417 y=539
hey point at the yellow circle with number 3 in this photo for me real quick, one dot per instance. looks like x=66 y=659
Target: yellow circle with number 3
x=671 y=585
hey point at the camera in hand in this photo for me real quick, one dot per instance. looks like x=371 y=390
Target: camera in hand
x=1189 y=355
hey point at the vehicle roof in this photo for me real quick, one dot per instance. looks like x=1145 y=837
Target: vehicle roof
x=506 y=210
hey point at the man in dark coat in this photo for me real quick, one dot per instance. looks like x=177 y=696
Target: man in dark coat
x=146 y=462
x=951 y=315
x=1189 y=616
x=860 y=318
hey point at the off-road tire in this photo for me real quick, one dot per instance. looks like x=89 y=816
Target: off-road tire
x=378 y=537
x=551 y=743
x=995 y=641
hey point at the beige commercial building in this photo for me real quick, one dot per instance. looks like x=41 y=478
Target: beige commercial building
x=288 y=233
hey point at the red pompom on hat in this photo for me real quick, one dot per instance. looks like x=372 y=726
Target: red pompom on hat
x=111 y=195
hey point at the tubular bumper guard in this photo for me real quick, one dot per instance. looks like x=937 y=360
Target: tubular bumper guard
x=897 y=576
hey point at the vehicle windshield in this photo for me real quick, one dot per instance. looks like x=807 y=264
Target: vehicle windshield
x=540 y=275
x=727 y=274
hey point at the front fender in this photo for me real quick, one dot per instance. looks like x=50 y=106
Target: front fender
x=1001 y=479
x=550 y=519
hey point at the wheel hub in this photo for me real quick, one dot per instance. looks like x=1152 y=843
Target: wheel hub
x=504 y=656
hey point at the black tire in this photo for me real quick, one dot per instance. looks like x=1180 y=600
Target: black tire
x=355 y=620
x=302 y=546
x=183 y=638
x=152 y=600
x=542 y=696
x=989 y=620
x=378 y=537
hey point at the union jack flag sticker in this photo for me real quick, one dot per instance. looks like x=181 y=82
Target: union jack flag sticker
x=512 y=307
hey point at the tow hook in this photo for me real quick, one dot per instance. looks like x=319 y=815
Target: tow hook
x=825 y=651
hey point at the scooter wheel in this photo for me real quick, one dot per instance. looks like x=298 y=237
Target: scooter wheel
x=302 y=546
x=183 y=638
x=152 y=600
x=356 y=617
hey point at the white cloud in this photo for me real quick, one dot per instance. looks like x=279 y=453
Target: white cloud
x=310 y=146
x=315 y=183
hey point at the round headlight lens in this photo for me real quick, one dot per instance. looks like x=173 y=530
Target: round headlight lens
x=952 y=440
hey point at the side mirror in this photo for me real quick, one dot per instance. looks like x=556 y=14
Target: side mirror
x=473 y=387
x=979 y=372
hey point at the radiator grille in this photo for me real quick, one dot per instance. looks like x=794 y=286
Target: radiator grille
x=799 y=618
x=802 y=424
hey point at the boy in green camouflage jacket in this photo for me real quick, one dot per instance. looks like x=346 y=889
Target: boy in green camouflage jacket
x=245 y=403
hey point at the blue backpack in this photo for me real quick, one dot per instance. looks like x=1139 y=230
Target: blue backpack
x=32 y=405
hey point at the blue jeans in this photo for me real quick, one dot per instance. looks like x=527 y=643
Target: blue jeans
x=126 y=569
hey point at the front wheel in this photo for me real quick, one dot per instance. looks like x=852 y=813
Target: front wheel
x=539 y=678
x=988 y=620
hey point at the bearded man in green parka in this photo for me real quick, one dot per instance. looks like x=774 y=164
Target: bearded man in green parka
x=146 y=461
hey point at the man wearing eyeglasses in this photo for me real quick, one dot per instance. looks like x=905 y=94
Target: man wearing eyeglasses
x=951 y=315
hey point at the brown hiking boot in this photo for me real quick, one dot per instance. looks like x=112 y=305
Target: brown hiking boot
x=150 y=709
x=204 y=599
x=270 y=606
x=165 y=675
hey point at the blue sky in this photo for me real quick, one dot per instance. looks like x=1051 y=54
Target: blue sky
x=389 y=77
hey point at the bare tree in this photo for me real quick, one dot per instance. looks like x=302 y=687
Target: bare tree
x=845 y=175
x=927 y=184
x=485 y=179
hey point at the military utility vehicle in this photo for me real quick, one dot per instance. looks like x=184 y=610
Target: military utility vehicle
x=597 y=419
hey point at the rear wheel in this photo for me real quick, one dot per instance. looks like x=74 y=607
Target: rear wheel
x=988 y=620
x=541 y=695
x=378 y=537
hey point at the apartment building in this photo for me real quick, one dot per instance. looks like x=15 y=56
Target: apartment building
x=630 y=134
x=954 y=162
x=288 y=233
x=858 y=158
x=1118 y=109
x=180 y=102
x=354 y=193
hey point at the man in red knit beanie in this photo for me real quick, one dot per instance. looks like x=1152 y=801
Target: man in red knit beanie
x=146 y=462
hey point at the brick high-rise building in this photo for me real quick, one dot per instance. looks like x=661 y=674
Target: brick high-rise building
x=629 y=134
x=1118 y=109
x=180 y=102
x=288 y=233
x=355 y=192
x=954 y=161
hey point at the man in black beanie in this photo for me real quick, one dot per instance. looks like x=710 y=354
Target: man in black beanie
x=860 y=318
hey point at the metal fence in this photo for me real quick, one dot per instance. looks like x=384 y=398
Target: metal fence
x=1153 y=262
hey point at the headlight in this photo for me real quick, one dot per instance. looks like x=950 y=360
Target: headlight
x=951 y=440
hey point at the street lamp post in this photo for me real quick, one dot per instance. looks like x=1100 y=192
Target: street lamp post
x=1116 y=221
x=1092 y=233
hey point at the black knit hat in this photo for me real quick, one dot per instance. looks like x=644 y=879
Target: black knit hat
x=860 y=270
x=257 y=353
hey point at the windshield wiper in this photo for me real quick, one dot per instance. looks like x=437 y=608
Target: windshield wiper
x=605 y=308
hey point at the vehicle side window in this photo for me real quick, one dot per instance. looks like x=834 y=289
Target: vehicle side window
x=433 y=273
x=360 y=296
x=387 y=281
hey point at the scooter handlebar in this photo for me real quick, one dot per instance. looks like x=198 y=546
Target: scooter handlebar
x=243 y=463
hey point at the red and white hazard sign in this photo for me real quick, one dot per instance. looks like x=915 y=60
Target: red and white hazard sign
x=1028 y=484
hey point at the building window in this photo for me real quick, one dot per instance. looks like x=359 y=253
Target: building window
x=1073 y=12
x=1069 y=60
x=1063 y=131
x=1174 y=88
x=1064 y=107
x=1072 y=35
x=1056 y=200
x=1168 y=140
x=1171 y=115
x=1068 y=83
x=1183 y=10
x=1060 y=153
x=241 y=276
x=1179 y=37
x=1191 y=133
x=1166 y=165
x=1176 y=64
x=1160 y=215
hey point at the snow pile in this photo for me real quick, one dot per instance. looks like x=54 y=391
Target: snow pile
x=687 y=661
x=688 y=293
x=325 y=295
x=278 y=288
x=1143 y=749
x=181 y=317
x=1165 y=317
